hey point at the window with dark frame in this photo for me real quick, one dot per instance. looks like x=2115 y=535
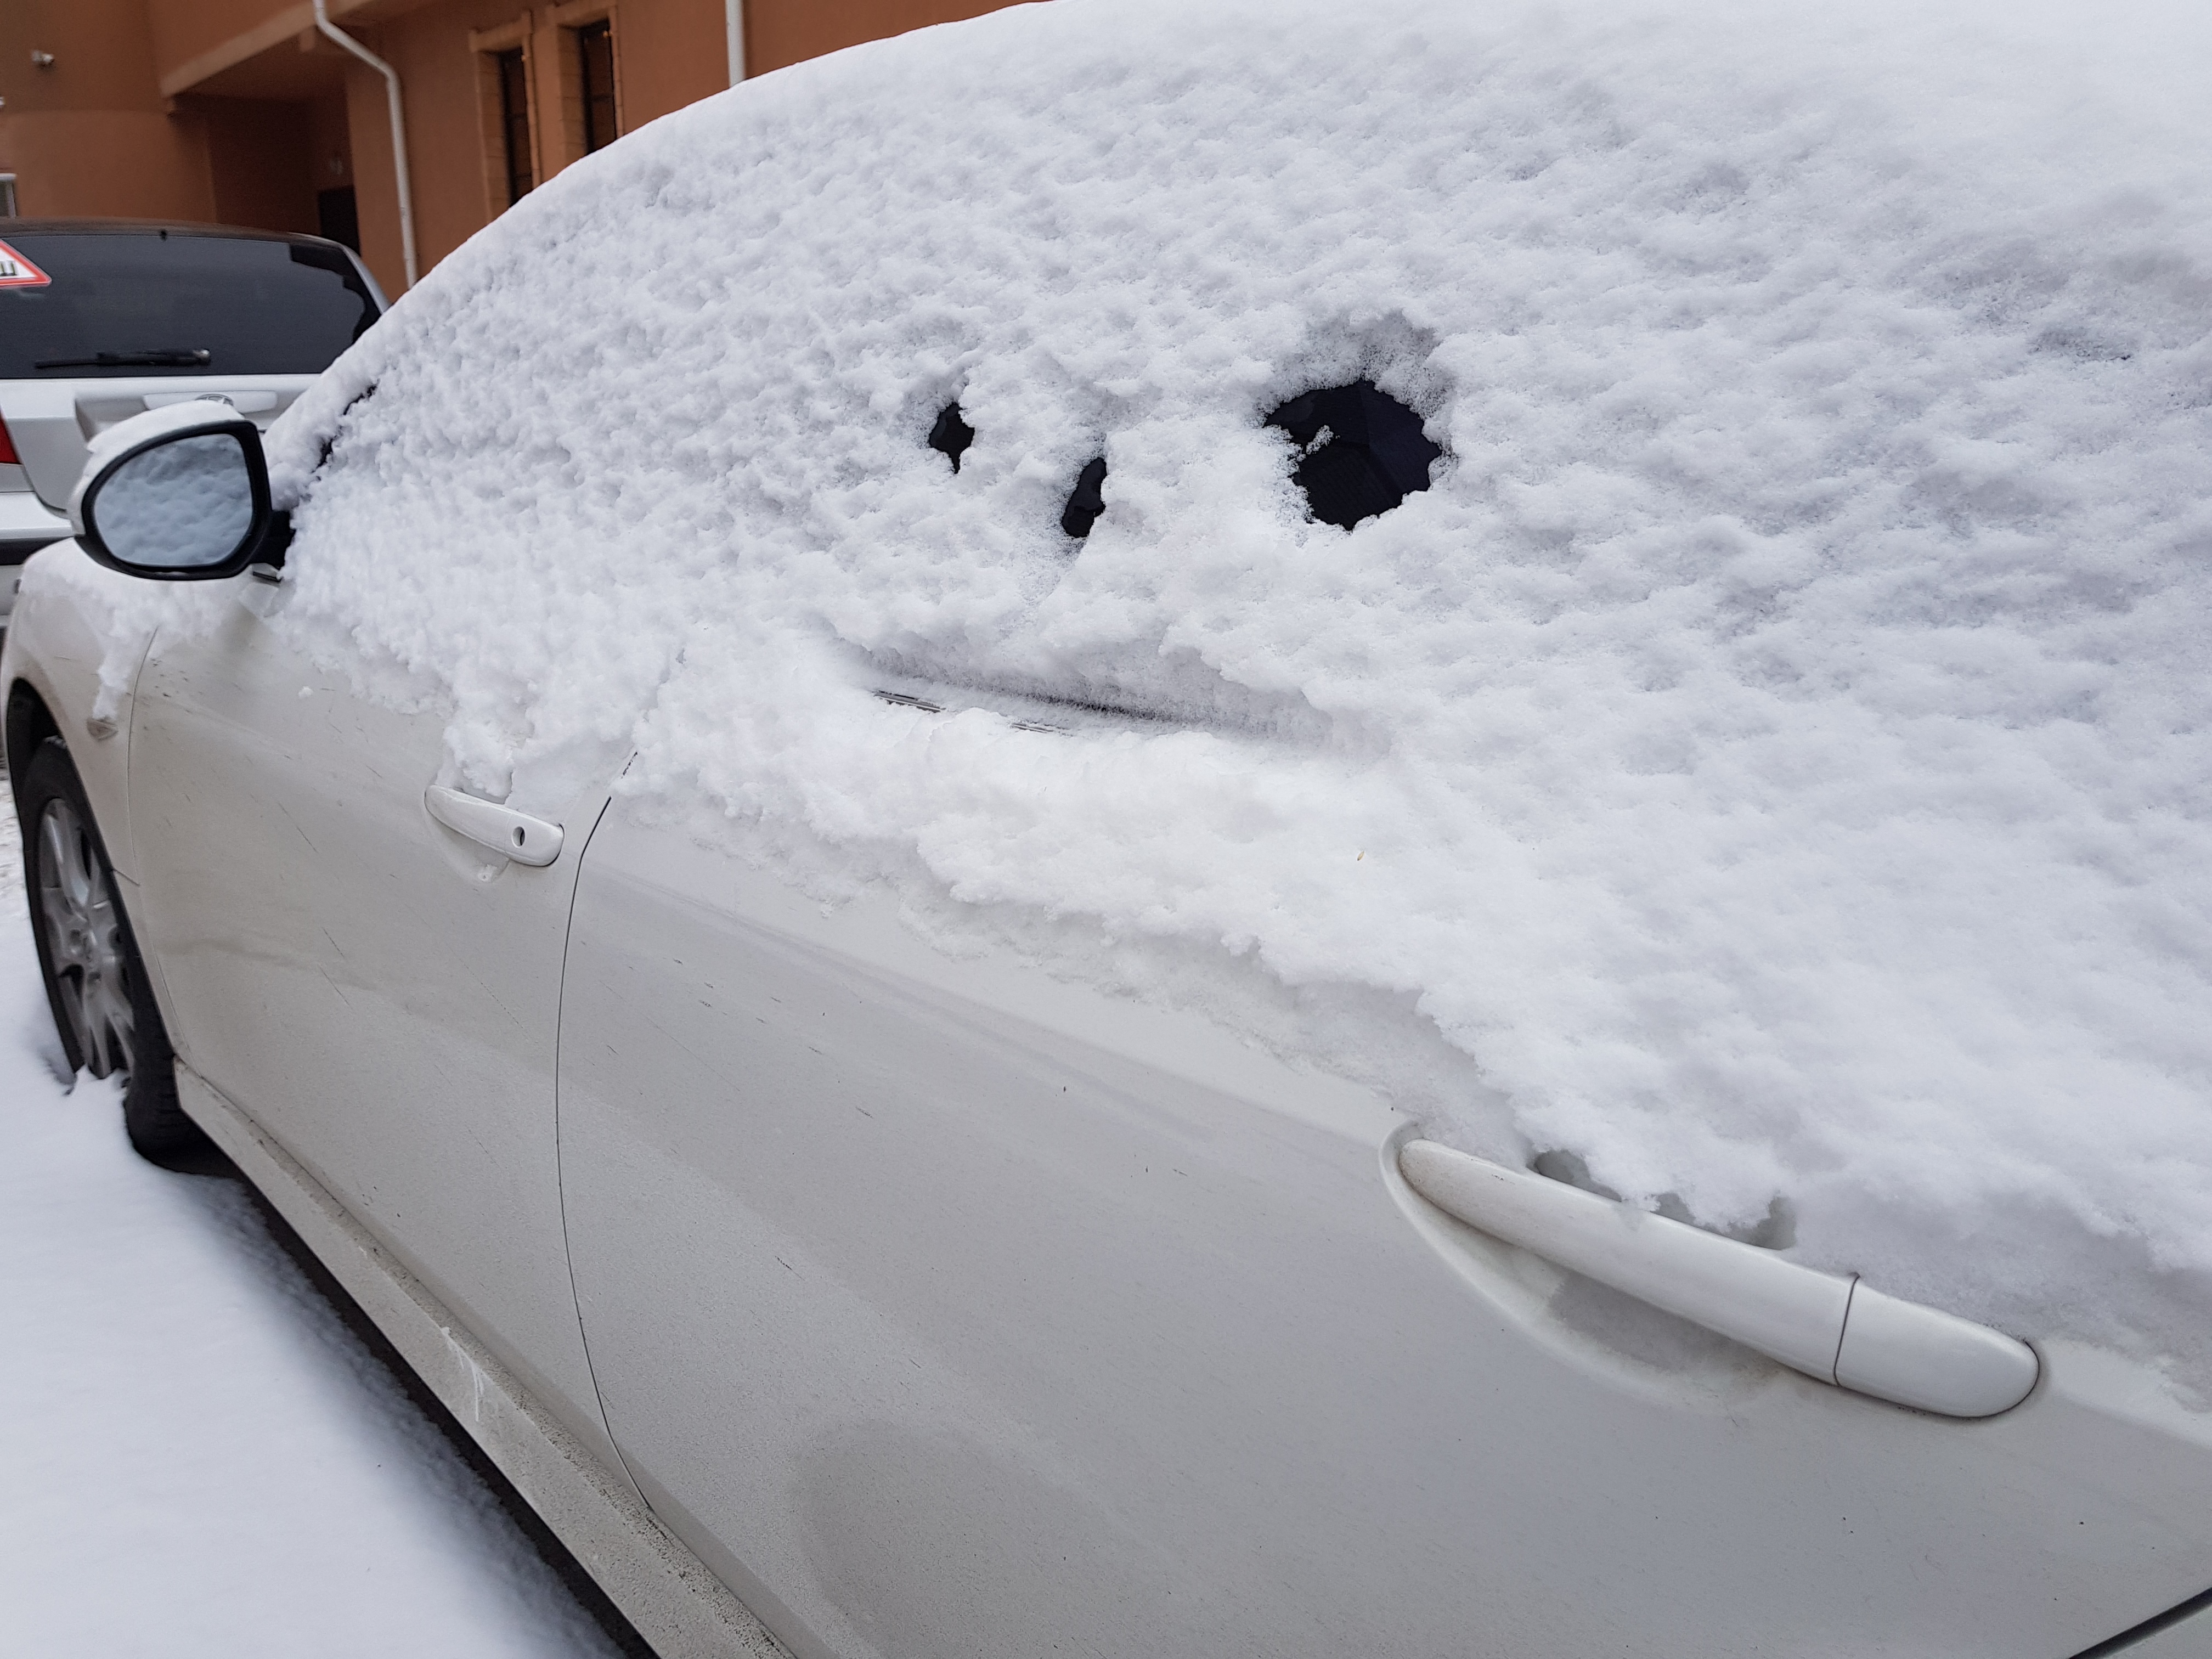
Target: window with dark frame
x=595 y=47
x=514 y=122
x=337 y=217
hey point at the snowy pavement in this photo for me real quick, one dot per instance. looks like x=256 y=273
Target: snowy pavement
x=200 y=1456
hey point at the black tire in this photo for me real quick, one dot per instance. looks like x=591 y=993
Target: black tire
x=103 y=1004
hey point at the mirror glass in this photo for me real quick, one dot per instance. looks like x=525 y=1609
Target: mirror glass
x=179 y=505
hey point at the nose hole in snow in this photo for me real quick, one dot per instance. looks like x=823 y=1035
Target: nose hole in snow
x=1363 y=451
x=1087 y=500
x=952 y=435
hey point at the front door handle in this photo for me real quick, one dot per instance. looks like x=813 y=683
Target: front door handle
x=1839 y=1330
x=500 y=828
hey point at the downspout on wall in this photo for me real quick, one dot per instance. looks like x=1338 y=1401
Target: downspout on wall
x=733 y=22
x=398 y=128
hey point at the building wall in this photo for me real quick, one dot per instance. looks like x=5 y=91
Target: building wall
x=236 y=111
x=780 y=32
x=668 y=53
x=260 y=157
x=91 y=127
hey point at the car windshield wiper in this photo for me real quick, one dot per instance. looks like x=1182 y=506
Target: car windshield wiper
x=129 y=360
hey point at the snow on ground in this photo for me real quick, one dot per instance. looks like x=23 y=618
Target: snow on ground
x=199 y=1457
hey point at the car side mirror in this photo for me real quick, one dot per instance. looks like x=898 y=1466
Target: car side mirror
x=186 y=504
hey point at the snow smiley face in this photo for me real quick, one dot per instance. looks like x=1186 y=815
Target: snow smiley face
x=1197 y=522
x=1360 y=453
x=1758 y=760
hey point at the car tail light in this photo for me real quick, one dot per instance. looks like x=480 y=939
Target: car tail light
x=8 y=456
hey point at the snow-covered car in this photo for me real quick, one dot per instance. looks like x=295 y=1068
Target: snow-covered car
x=1268 y=830
x=101 y=319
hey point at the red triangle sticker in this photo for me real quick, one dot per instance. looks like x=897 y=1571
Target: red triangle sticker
x=17 y=272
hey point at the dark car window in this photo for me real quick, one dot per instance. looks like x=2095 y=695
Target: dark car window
x=155 y=302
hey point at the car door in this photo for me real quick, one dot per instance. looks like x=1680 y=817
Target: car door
x=377 y=992
x=952 y=1309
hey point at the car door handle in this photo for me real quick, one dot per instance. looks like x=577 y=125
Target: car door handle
x=500 y=828
x=1836 y=1329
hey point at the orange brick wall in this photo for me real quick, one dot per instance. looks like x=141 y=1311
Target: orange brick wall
x=235 y=111
x=779 y=33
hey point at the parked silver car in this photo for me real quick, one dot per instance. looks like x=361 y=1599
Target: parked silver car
x=104 y=318
x=1257 y=831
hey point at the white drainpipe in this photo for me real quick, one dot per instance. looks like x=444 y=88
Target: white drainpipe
x=733 y=23
x=398 y=129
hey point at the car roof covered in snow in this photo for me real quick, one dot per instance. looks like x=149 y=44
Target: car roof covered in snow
x=1765 y=755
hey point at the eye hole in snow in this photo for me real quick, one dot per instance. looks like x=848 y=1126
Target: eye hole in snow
x=952 y=435
x=1363 y=451
x=1087 y=500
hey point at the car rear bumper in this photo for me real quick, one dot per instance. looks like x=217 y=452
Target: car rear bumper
x=27 y=525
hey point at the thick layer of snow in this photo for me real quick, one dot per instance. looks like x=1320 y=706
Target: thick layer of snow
x=1772 y=760
x=201 y=1459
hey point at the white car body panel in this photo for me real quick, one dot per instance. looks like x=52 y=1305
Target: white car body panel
x=669 y=1597
x=943 y=1307
x=949 y=1309
x=365 y=985
x=2188 y=1638
x=60 y=656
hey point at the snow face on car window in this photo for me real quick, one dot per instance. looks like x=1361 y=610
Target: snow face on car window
x=1770 y=756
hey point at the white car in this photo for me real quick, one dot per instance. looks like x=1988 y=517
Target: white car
x=101 y=319
x=1266 y=832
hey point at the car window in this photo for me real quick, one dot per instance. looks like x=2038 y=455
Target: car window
x=153 y=302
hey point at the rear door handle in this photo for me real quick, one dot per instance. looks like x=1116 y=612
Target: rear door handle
x=500 y=828
x=1838 y=1330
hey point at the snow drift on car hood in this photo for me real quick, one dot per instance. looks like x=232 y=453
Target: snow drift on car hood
x=1771 y=759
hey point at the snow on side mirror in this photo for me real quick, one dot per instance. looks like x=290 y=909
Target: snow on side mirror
x=179 y=494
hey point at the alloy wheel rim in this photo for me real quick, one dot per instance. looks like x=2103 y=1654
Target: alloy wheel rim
x=84 y=940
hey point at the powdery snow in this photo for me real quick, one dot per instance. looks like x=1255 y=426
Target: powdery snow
x=202 y=1460
x=1771 y=760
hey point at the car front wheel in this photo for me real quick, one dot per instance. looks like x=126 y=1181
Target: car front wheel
x=96 y=980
